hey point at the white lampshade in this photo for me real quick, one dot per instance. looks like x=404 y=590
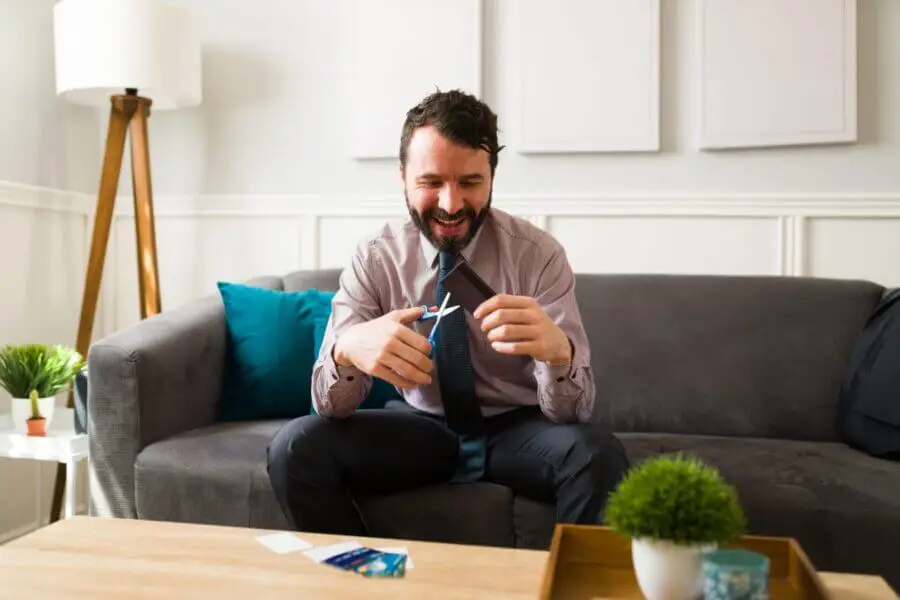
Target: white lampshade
x=103 y=47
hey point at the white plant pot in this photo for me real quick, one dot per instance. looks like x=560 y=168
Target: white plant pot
x=21 y=412
x=669 y=571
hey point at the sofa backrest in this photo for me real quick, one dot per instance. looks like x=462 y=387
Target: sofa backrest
x=752 y=356
x=723 y=355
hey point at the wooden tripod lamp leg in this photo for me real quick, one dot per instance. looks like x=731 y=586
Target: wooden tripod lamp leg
x=145 y=230
x=120 y=113
x=106 y=201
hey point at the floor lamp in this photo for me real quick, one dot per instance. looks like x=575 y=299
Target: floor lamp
x=127 y=55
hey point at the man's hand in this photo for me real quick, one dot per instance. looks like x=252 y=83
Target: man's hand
x=518 y=325
x=387 y=348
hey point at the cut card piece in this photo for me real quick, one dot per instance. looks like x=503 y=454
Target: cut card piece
x=383 y=564
x=399 y=550
x=283 y=543
x=323 y=553
x=352 y=559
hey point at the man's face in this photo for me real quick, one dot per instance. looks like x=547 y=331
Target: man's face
x=447 y=188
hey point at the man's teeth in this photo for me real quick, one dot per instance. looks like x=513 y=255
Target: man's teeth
x=453 y=222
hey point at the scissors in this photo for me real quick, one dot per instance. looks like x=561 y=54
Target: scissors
x=443 y=310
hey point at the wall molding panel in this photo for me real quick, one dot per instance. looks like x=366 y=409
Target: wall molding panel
x=391 y=62
x=610 y=82
x=795 y=85
x=861 y=204
x=45 y=198
x=202 y=239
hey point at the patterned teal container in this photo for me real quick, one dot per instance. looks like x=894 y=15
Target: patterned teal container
x=735 y=575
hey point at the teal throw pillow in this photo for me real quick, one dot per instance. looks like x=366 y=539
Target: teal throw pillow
x=272 y=343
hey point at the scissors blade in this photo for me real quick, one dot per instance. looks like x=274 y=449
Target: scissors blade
x=440 y=313
x=451 y=309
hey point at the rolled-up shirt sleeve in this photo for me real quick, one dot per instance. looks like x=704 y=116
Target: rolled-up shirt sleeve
x=337 y=390
x=566 y=393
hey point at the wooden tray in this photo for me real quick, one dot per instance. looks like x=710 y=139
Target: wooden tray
x=592 y=562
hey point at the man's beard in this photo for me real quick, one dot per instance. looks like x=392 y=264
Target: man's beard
x=449 y=244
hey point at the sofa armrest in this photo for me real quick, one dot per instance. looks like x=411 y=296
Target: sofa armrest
x=148 y=382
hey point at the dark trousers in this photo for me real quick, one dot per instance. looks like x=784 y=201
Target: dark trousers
x=317 y=466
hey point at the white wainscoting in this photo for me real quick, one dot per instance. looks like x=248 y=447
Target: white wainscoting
x=43 y=243
x=205 y=239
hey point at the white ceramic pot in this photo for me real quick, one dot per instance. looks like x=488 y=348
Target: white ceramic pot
x=669 y=571
x=21 y=412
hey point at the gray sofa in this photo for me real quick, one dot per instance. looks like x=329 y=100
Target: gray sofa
x=743 y=371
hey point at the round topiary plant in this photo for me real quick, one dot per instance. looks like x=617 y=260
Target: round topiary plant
x=676 y=498
x=675 y=509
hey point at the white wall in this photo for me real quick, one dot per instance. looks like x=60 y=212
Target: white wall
x=267 y=156
x=269 y=153
x=49 y=156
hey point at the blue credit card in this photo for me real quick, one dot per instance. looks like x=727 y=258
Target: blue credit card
x=384 y=564
x=351 y=559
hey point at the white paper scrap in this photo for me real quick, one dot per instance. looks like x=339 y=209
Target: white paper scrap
x=283 y=543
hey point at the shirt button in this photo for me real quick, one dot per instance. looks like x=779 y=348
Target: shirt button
x=560 y=378
x=349 y=377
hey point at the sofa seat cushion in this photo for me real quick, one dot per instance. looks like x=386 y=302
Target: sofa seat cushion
x=843 y=506
x=215 y=474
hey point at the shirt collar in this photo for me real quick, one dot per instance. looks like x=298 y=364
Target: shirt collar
x=431 y=253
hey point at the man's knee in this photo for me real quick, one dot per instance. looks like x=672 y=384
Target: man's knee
x=297 y=440
x=597 y=452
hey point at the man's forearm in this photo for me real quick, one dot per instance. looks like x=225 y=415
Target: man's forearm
x=337 y=390
x=565 y=391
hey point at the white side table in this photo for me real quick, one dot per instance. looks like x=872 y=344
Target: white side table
x=61 y=444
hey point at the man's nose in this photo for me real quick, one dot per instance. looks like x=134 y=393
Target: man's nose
x=451 y=199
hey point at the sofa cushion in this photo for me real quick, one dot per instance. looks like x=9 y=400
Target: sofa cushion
x=722 y=355
x=215 y=474
x=840 y=504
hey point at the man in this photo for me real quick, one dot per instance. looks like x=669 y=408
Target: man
x=508 y=393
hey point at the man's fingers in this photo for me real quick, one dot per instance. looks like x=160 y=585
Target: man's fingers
x=406 y=370
x=510 y=333
x=530 y=348
x=407 y=315
x=520 y=316
x=411 y=338
x=416 y=356
x=382 y=372
x=502 y=301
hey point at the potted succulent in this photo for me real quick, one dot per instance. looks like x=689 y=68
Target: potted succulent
x=33 y=374
x=37 y=424
x=675 y=509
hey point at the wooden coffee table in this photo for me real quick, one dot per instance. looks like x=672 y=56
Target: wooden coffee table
x=100 y=559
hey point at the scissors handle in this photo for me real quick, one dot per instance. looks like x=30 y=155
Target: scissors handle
x=431 y=341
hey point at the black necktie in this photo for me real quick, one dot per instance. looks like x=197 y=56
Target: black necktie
x=457 y=383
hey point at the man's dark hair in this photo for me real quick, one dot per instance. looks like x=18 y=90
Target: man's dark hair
x=458 y=116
